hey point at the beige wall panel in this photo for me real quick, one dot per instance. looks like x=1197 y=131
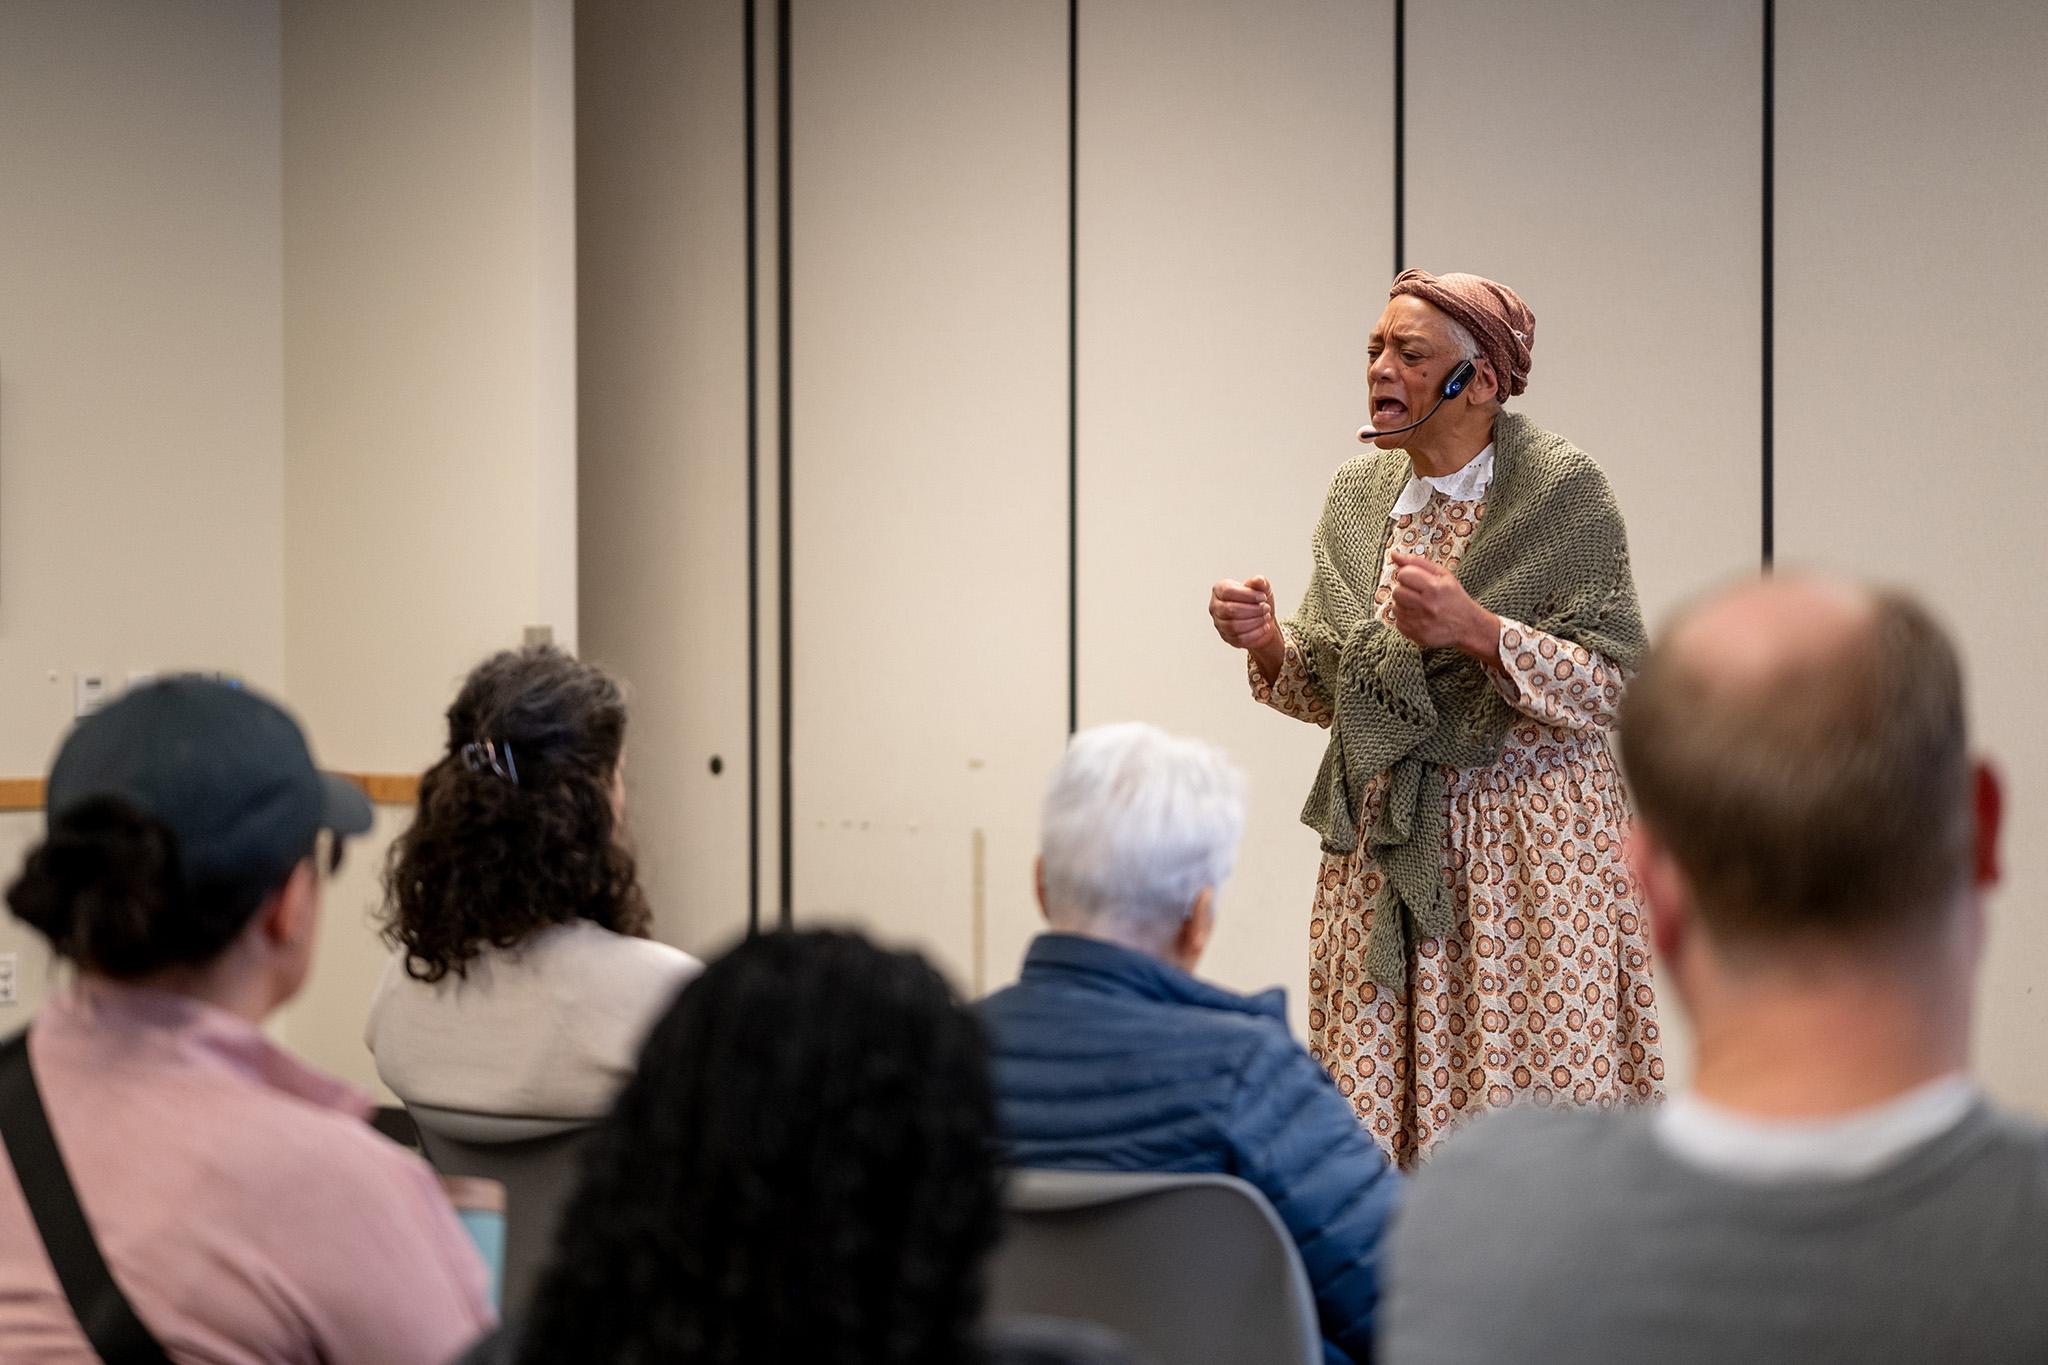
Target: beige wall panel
x=1613 y=178
x=141 y=518
x=429 y=356
x=662 y=337
x=1615 y=182
x=325 y=1022
x=1912 y=315
x=429 y=391
x=140 y=351
x=929 y=240
x=1235 y=233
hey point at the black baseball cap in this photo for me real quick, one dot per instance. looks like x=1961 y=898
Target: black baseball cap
x=226 y=770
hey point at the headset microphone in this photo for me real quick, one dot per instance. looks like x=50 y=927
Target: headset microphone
x=1454 y=384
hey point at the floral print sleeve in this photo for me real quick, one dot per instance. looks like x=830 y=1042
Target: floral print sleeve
x=1294 y=693
x=1555 y=681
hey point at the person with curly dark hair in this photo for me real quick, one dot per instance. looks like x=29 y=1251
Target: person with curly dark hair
x=524 y=979
x=801 y=1170
x=243 y=1208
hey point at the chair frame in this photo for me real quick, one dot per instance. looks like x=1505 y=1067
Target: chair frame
x=1172 y=1314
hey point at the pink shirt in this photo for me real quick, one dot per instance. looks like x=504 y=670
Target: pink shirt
x=245 y=1207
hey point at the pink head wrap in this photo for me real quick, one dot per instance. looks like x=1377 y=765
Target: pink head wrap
x=1493 y=313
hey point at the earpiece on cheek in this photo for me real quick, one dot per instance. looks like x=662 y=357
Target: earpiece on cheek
x=1455 y=383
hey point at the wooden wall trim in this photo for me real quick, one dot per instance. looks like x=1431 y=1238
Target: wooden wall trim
x=385 y=789
x=21 y=793
x=389 y=789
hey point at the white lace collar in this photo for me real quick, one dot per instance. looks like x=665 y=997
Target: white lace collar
x=1460 y=485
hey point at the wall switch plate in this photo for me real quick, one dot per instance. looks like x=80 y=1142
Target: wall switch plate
x=89 y=693
x=539 y=635
x=7 y=993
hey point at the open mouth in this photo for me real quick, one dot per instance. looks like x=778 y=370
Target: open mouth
x=1388 y=412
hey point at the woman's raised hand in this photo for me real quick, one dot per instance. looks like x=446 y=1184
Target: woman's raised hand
x=1243 y=616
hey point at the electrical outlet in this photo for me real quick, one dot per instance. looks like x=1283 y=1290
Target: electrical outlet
x=90 y=693
x=7 y=996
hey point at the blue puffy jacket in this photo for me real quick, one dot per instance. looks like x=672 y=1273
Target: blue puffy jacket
x=1107 y=1059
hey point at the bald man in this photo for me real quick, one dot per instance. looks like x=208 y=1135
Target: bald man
x=1814 y=844
x=1465 y=637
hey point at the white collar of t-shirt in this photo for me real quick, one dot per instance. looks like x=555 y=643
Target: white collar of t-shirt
x=1460 y=485
x=1725 y=1142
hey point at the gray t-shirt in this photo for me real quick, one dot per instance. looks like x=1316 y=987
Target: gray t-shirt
x=1568 y=1235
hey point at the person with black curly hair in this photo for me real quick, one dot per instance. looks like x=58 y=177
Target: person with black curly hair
x=243 y=1207
x=801 y=1170
x=524 y=979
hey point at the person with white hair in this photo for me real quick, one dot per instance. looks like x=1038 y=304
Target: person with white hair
x=1110 y=1055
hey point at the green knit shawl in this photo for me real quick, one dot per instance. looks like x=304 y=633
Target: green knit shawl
x=1550 y=552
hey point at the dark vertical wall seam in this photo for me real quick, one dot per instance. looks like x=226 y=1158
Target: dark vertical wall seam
x=753 y=495
x=1770 y=179
x=1073 y=370
x=1400 y=136
x=784 y=443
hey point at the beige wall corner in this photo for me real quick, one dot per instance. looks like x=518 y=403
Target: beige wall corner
x=429 y=391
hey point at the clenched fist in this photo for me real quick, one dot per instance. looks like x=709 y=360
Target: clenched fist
x=1243 y=616
x=1432 y=608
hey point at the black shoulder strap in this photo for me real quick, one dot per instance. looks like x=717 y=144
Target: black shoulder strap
x=103 y=1310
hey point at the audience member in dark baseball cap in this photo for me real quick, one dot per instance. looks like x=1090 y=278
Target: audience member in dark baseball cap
x=242 y=1206
x=175 y=815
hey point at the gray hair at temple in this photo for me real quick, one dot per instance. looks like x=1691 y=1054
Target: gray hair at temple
x=1468 y=349
x=1461 y=337
x=1137 y=824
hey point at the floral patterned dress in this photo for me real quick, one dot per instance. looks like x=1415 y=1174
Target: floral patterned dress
x=1543 y=992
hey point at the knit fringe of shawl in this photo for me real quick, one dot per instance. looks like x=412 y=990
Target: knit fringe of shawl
x=1550 y=552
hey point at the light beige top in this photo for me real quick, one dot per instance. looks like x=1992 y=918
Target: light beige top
x=550 y=1029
